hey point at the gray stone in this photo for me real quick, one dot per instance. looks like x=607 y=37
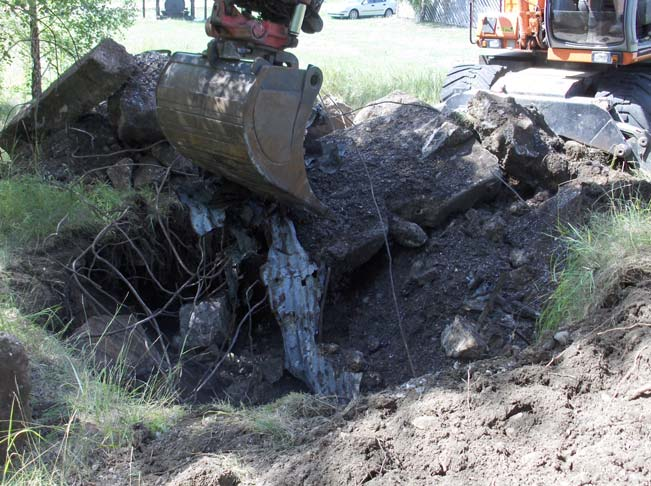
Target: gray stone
x=132 y=110
x=169 y=157
x=120 y=174
x=494 y=228
x=15 y=388
x=464 y=178
x=407 y=234
x=148 y=172
x=92 y=79
x=461 y=340
x=114 y=341
x=446 y=135
x=527 y=149
x=272 y=369
x=518 y=257
x=206 y=323
x=562 y=337
x=355 y=361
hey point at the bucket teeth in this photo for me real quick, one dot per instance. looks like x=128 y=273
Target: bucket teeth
x=247 y=126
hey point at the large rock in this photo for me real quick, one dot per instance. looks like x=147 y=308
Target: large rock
x=133 y=109
x=114 y=341
x=382 y=162
x=205 y=323
x=527 y=148
x=95 y=77
x=461 y=340
x=15 y=387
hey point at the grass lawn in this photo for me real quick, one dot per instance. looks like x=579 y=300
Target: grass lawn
x=362 y=60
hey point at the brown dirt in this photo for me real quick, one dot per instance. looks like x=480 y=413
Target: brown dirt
x=577 y=415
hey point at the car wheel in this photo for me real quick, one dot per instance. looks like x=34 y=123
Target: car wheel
x=353 y=15
x=388 y=13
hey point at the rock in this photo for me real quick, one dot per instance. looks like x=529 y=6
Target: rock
x=386 y=106
x=132 y=109
x=92 y=79
x=206 y=323
x=494 y=228
x=461 y=340
x=562 y=337
x=527 y=149
x=373 y=344
x=355 y=361
x=15 y=388
x=113 y=341
x=462 y=178
x=425 y=422
x=378 y=154
x=518 y=257
x=120 y=174
x=446 y=135
x=339 y=113
x=272 y=369
x=407 y=234
x=169 y=157
x=148 y=172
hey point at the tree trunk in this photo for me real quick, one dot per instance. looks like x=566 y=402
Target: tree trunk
x=35 y=45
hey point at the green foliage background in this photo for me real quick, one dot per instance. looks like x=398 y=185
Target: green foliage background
x=68 y=28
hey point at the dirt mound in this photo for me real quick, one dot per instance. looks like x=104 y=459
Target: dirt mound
x=573 y=415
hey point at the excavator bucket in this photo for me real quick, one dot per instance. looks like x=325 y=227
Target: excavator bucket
x=243 y=120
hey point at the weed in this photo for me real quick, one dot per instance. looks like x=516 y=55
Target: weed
x=282 y=421
x=100 y=409
x=612 y=250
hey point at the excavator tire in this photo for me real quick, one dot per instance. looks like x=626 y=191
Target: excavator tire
x=465 y=77
x=634 y=89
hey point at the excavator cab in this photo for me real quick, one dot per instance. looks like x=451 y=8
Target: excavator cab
x=582 y=64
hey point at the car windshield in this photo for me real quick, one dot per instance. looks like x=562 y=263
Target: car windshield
x=588 y=21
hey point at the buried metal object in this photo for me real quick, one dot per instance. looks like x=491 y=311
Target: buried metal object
x=295 y=290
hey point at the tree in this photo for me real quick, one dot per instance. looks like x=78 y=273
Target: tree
x=48 y=35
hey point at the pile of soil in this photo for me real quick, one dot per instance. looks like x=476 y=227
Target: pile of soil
x=573 y=414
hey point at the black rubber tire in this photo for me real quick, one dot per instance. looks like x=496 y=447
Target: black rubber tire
x=388 y=13
x=353 y=14
x=634 y=87
x=470 y=76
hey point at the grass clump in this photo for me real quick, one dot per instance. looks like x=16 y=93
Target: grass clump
x=31 y=209
x=283 y=421
x=88 y=411
x=611 y=251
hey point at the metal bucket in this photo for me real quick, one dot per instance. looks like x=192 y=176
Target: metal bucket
x=243 y=120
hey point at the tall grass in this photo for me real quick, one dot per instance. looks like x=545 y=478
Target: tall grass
x=97 y=410
x=32 y=209
x=612 y=250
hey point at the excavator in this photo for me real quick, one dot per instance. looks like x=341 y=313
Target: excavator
x=582 y=64
x=240 y=109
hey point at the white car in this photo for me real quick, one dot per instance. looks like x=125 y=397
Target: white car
x=355 y=9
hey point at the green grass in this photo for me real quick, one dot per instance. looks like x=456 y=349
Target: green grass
x=362 y=60
x=611 y=251
x=97 y=410
x=282 y=422
x=32 y=209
